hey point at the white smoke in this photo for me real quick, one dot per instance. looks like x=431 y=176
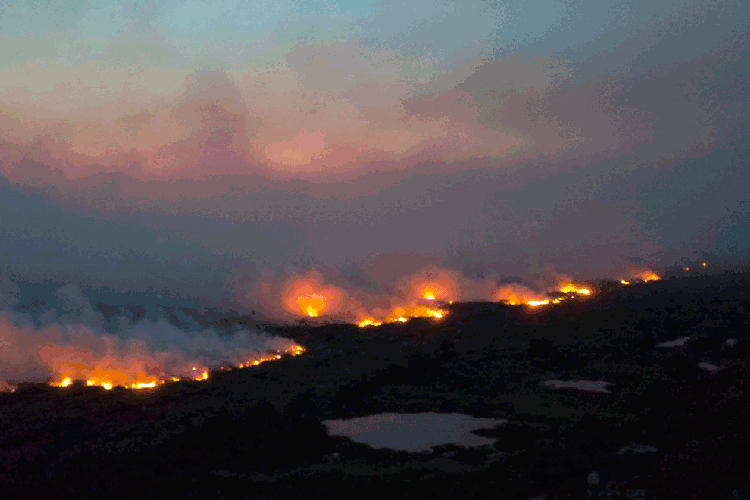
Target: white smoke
x=30 y=353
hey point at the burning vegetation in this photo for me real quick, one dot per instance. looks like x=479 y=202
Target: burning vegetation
x=639 y=276
x=425 y=298
x=426 y=295
x=402 y=314
x=61 y=355
x=108 y=372
x=516 y=295
x=305 y=297
x=577 y=289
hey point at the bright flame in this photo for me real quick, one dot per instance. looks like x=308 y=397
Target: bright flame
x=518 y=295
x=144 y=385
x=107 y=374
x=704 y=264
x=687 y=269
x=74 y=363
x=307 y=296
x=650 y=276
x=294 y=351
x=571 y=288
x=437 y=286
x=369 y=322
x=403 y=314
x=536 y=303
x=312 y=305
x=624 y=282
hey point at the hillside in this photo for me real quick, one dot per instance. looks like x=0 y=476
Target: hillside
x=667 y=427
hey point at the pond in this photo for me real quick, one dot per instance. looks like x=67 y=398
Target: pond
x=414 y=432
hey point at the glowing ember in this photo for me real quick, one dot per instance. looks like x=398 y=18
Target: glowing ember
x=687 y=269
x=704 y=264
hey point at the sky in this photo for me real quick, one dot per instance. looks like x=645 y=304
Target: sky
x=209 y=153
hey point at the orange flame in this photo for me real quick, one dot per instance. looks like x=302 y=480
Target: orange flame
x=403 y=314
x=516 y=295
x=430 y=285
x=423 y=294
x=369 y=321
x=644 y=275
x=537 y=303
x=571 y=288
x=305 y=297
x=70 y=363
x=110 y=372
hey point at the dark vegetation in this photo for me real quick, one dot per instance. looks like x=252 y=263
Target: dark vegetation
x=256 y=432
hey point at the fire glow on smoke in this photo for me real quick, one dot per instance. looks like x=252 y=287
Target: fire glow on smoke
x=639 y=275
x=305 y=297
x=154 y=355
x=424 y=297
x=69 y=365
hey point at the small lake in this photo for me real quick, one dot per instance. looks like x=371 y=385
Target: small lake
x=414 y=432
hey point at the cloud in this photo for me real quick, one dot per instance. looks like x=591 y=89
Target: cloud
x=298 y=151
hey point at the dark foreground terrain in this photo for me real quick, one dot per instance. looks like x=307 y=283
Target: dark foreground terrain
x=668 y=428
